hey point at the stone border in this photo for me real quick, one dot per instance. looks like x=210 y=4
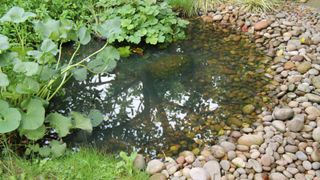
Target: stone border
x=284 y=142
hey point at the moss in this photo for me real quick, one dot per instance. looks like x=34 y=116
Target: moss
x=86 y=164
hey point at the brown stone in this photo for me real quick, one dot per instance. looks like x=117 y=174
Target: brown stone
x=207 y=19
x=297 y=58
x=288 y=65
x=261 y=25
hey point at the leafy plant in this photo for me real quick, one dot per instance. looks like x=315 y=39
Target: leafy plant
x=30 y=78
x=126 y=164
x=142 y=21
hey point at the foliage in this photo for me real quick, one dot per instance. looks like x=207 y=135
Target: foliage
x=142 y=21
x=187 y=7
x=259 y=5
x=127 y=162
x=31 y=76
x=85 y=164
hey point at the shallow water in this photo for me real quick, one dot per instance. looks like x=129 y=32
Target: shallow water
x=171 y=99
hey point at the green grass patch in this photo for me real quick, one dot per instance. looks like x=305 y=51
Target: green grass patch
x=85 y=164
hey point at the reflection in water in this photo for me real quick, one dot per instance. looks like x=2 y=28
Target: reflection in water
x=177 y=97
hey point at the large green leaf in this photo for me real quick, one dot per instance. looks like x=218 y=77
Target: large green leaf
x=4 y=81
x=9 y=118
x=80 y=74
x=28 y=86
x=17 y=15
x=110 y=28
x=28 y=68
x=105 y=61
x=81 y=122
x=96 y=117
x=35 y=134
x=49 y=46
x=84 y=35
x=4 y=43
x=57 y=148
x=34 y=116
x=60 y=123
x=48 y=29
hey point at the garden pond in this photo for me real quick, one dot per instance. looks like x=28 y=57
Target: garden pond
x=173 y=98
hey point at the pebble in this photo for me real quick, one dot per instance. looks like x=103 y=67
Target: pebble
x=249 y=140
x=225 y=164
x=199 y=174
x=238 y=162
x=277 y=176
x=316 y=134
x=213 y=169
x=154 y=166
x=283 y=113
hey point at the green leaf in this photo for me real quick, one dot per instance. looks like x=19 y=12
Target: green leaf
x=81 y=122
x=57 y=148
x=60 y=123
x=45 y=151
x=17 y=15
x=84 y=35
x=28 y=86
x=110 y=28
x=4 y=43
x=124 y=51
x=49 y=46
x=48 y=29
x=9 y=118
x=4 y=81
x=105 y=61
x=47 y=73
x=80 y=74
x=34 y=116
x=152 y=40
x=28 y=68
x=96 y=117
x=35 y=134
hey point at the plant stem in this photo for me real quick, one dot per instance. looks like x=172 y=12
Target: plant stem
x=59 y=57
x=19 y=36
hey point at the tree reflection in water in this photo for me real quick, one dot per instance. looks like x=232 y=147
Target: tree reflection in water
x=167 y=98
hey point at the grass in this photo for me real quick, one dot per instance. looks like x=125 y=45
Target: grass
x=86 y=164
x=191 y=7
x=259 y=5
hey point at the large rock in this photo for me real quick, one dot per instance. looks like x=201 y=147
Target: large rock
x=255 y=165
x=188 y=156
x=154 y=166
x=277 y=176
x=261 y=25
x=158 y=176
x=199 y=174
x=248 y=109
x=283 y=113
x=252 y=139
x=296 y=124
x=213 y=169
x=239 y=162
x=228 y=146
x=139 y=162
x=311 y=110
x=304 y=67
x=279 y=125
x=313 y=97
x=218 y=151
x=217 y=17
x=316 y=134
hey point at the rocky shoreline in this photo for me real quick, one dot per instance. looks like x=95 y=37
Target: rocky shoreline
x=284 y=142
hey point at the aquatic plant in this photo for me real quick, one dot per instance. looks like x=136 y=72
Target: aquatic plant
x=30 y=78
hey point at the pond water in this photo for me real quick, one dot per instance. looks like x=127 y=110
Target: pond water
x=174 y=98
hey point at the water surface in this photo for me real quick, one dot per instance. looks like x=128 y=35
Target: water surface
x=174 y=98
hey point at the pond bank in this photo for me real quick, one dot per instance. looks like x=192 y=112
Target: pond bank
x=284 y=142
